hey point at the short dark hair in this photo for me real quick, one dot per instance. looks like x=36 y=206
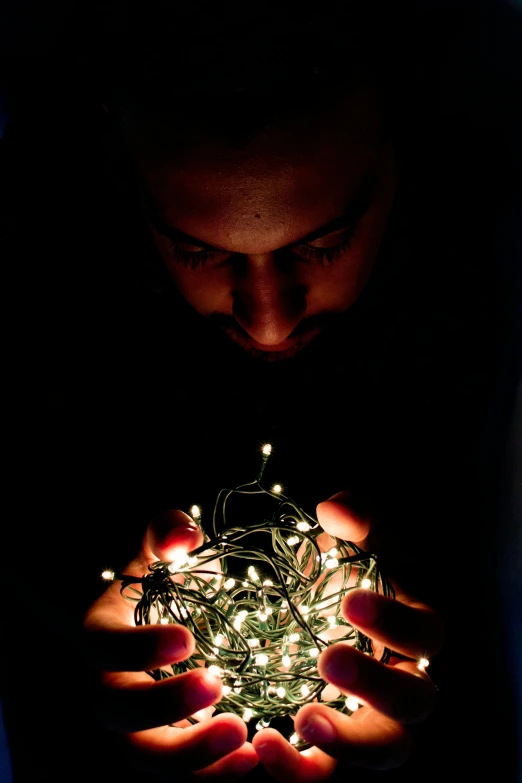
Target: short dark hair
x=238 y=67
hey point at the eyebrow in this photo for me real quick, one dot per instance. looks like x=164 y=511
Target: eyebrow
x=356 y=209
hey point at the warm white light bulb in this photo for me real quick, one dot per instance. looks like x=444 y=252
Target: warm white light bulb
x=277 y=488
x=164 y=621
x=281 y=692
x=253 y=574
x=286 y=660
x=352 y=704
x=247 y=714
x=219 y=639
x=332 y=562
x=314 y=652
x=268 y=583
x=332 y=621
x=262 y=616
x=229 y=584
x=226 y=690
x=303 y=526
x=215 y=670
x=294 y=739
x=292 y=540
x=304 y=609
x=305 y=690
x=253 y=642
x=261 y=659
x=422 y=664
x=294 y=637
x=366 y=583
x=108 y=575
x=195 y=512
x=267 y=449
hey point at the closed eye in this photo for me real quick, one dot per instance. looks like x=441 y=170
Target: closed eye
x=322 y=250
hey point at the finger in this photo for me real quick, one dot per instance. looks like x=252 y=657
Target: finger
x=402 y=692
x=369 y=739
x=412 y=629
x=232 y=767
x=133 y=702
x=338 y=517
x=283 y=762
x=166 y=749
x=170 y=534
x=128 y=649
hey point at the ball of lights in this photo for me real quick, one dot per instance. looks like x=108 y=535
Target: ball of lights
x=261 y=628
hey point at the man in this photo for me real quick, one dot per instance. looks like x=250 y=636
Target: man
x=281 y=220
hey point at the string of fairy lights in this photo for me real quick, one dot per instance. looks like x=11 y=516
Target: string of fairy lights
x=262 y=628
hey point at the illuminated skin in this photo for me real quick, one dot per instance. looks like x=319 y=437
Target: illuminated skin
x=265 y=214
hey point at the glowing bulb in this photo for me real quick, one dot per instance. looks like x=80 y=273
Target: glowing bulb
x=277 y=488
x=247 y=714
x=267 y=449
x=108 y=575
x=292 y=540
x=261 y=659
x=195 y=512
x=262 y=724
x=422 y=664
x=268 y=583
x=352 y=704
x=226 y=690
x=294 y=637
x=303 y=526
x=281 y=692
x=215 y=670
x=304 y=609
x=164 y=621
x=366 y=583
x=178 y=561
x=305 y=690
x=229 y=584
x=294 y=739
x=313 y=653
x=286 y=660
x=333 y=552
x=262 y=616
x=332 y=621
x=253 y=574
x=253 y=642
x=332 y=562
x=219 y=639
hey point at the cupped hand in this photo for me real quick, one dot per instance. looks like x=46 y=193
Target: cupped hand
x=392 y=695
x=129 y=702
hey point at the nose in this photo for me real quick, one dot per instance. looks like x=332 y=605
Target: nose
x=268 y=302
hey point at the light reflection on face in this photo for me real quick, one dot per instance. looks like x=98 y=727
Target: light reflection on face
x=272 y=240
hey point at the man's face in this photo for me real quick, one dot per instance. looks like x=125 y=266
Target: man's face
x=271 y=240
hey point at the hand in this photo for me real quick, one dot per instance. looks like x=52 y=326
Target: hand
x=140 y=710
x=393 y=694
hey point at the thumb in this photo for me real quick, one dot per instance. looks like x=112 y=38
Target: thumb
x=170 y=534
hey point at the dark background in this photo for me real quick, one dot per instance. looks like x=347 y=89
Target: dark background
x=432 y=431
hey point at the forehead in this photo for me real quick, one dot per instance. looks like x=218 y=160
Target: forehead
x=290 y=178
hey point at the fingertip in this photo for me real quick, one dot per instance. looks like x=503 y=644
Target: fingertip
x=338 y=517
x=266 y=743
x=171 y=533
